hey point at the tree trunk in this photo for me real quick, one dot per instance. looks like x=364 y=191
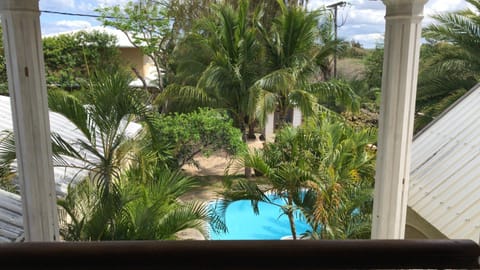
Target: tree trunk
x=292 y=225
x=251 y=131
x=248 y=171
x=140 y=77
x=291 y=218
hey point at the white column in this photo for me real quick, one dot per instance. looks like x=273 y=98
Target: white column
x=399 y=86
x=296 y=117
x=27 y=87
x=269 y=129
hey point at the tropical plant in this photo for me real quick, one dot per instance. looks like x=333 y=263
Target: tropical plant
x=147 y=25
x=450 y=65
x=103 y=122
x=294 y=49
x=144 y=205
x=324 y=170
x=71 y=59
x=345 y=180
x=217 y=65
x=374 y=67
x=200 y=132
x=7 y=156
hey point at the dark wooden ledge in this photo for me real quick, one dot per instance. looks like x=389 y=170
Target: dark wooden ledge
x=275 y=254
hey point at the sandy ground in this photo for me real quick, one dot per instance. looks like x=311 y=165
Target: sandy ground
x=211 y=169
x=217 y=163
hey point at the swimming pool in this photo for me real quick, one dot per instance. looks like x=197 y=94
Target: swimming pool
x=270 y=224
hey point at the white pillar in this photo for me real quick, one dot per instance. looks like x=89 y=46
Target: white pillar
x=269 y=129
x=27 y=87
x=399 y=85
x=296 y=117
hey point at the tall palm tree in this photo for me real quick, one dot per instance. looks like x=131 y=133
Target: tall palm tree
x=294 y=49
x=450 y=65
x=222 y=75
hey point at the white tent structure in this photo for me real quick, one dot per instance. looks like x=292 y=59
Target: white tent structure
x=26 y=75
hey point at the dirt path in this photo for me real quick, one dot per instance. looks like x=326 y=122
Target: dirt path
x=211 y=171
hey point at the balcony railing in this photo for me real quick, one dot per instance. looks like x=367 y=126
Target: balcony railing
x=268 y=254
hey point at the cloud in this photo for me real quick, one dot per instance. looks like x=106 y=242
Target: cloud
x=64 y=26
x=74 y=24
x=106 y=3
x=363 y=20
x=57 y=4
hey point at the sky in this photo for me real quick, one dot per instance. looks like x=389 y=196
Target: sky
x=360 y=20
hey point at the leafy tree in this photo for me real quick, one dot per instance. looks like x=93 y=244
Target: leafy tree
x=218 y=65
x=185 y=14
x=450 y=65
x=200 y=132
x=72 y=59
x=147 y=25
x=324 y=169
x=374 y=68
x=293 y=51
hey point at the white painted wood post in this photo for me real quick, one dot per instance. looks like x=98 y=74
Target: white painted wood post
x=269 y=129
x=296 y=117
x=399 y=86
x=28 y=92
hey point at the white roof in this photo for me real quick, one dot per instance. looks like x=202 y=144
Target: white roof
x=11 y=220
x=445 y=170
x=11 y=223
x=122 y=39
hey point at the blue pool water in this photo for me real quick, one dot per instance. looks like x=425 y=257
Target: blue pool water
x=270 y=224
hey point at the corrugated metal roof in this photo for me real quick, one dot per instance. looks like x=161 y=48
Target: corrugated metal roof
x=445 y=170
x=11 y=223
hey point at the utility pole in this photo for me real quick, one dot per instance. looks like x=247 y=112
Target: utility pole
x=335 y=6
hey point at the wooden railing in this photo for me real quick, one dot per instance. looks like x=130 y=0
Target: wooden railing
x=274 y=254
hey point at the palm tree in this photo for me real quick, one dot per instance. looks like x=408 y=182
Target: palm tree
x=324 y=170
x=144 y=205
x=103 y=121
x=222 y=75
x=104 y=146
x=286 y=181
x=342 y=194
x=295 y=48
x=450 y=63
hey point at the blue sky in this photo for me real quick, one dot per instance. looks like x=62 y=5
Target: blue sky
x=360 y=20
